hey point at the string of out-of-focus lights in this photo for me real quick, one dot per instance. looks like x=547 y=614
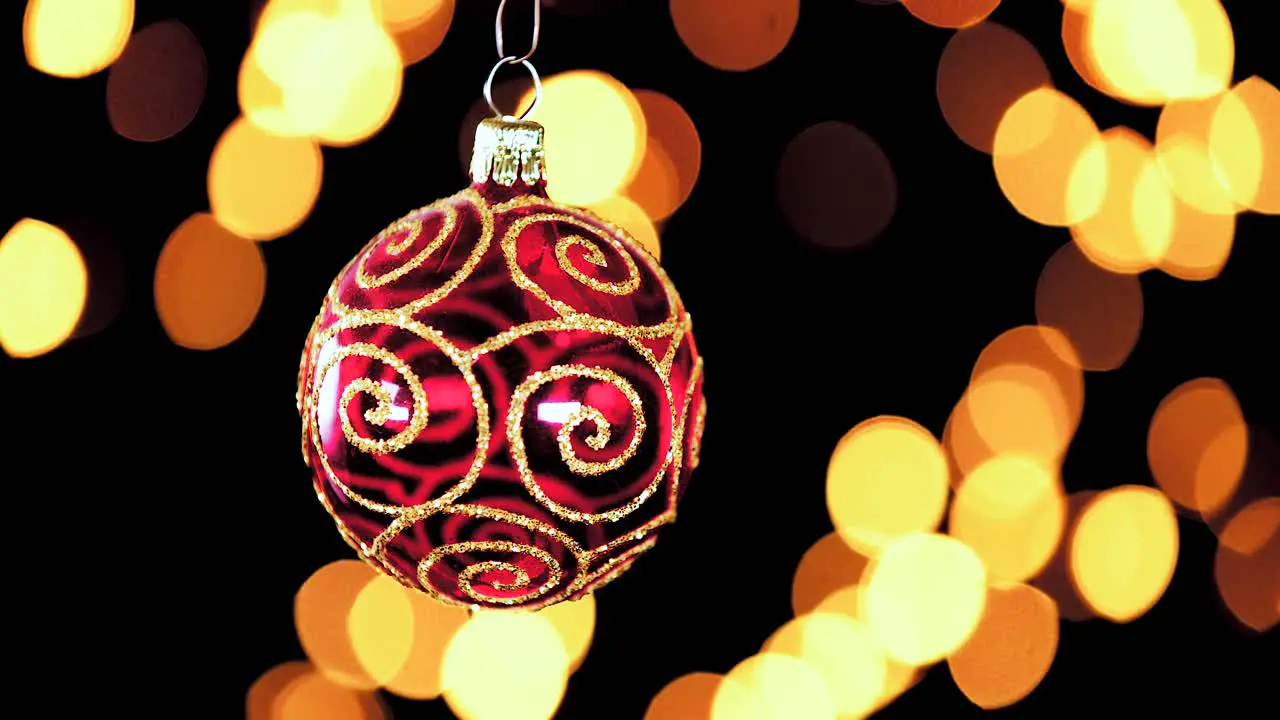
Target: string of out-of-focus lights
x=887 y=594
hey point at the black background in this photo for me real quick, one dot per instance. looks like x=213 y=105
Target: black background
x=159 y=516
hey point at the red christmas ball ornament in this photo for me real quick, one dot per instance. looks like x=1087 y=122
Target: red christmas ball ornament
x=501 y=397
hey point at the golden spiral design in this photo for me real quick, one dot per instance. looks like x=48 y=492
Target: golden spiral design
x=467 y=576
x=413 y=226
x=594 y=255
x=520 y=455
x=380 y=414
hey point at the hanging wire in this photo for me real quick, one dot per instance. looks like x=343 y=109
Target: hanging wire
x=501 y=41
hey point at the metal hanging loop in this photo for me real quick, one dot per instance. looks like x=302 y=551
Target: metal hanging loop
x=533 y=74
x=500 y=39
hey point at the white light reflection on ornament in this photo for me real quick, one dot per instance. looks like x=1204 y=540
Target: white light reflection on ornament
x=557 y=413
x=328 y=408
x=399 y=413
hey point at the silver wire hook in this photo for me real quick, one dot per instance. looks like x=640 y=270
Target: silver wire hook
x=533 y=74
x=500 y=40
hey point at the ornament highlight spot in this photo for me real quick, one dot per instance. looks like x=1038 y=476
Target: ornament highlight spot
x=75 y=38
x=1124 y=550
x=44 y=284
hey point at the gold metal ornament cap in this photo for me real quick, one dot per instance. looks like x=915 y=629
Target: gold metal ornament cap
x=508 y=149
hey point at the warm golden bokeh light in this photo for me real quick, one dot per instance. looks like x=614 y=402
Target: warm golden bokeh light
x=845 y=653
x=209 y=284
x=157 y=86
x=829 y=565
x=320 y=612
x=381 y=627
x=780 y=687
x=1133 y=227
x=1036 y=367
x=925 y=595
x=266 y=692
x=1124 y=551
x=1197 y=444
x=1011 y=511
x=951 y=13
x=1247 y=565
x=966 y=449
x=672 y=157
x=313 y=695
x=262 y=186
x=887 y=478
x=434 y=624
x=75 y=38
x=1244 y=143
x=982 y=72
x=1011 y=650
x=626 y=214
x=1042 y=162
x=505 y=666
x=1099 y=311
x=1182 y=147
x=688 y=697
x=575 y=622
x=1151 y=51
x=1020 y=409
x=417 y=26
x=596 y=132
x=43 y=287
x=1075 y=22
x=1200 y=244
x=735 y=34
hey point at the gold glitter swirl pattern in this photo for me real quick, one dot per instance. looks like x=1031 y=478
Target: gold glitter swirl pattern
x=468 y=575
x=520 y=455
x=594 y=255
x=615 y=566
x=418 y=420
x=474 y=201
x=412 y=226
x=695 y=442
x=380 y=414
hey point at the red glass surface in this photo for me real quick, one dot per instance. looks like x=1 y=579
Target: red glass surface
x=444 y=501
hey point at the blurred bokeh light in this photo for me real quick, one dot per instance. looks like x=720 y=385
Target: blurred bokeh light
x=484 y=679
x=672 y=157
x=778 y=687
x=434 y=625
x=828 y=566
x=982 y=72
x=157 y=86
x=1198 y=444
x=1124 y=551
x=1011 y=650
x=320 y=613
x=1011 y=511
x=925 y=595
x=1099 y=312
x=209 y=284
x=951 y=13
x=262 y=186
x=43 y=287
x=887 y=478
x=1244 y=142
x=845 y=654
x=843 y=214
x=688 y=697
x=418 y=27
x=1247 y=564
x=735 y=35
x=595 y=130
x=75 y=38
